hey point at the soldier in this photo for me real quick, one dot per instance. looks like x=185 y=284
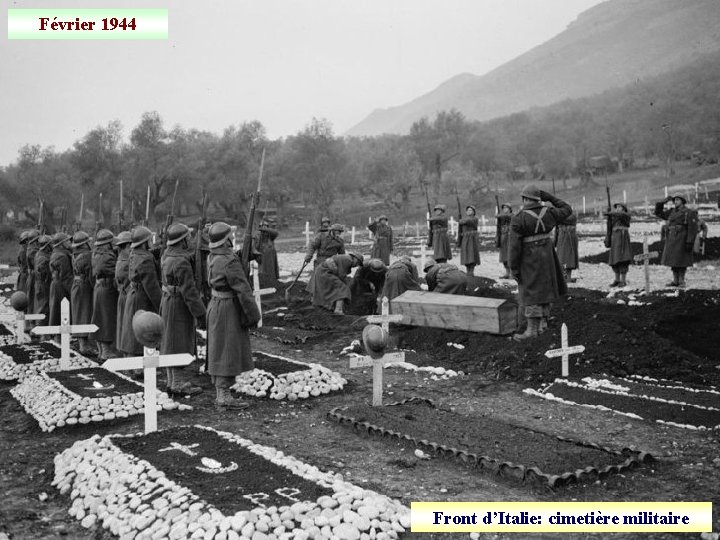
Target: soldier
x=332 y=282
x=264 y=241
x=81 y=293
x=533 y=261
x=682 y=228
x=326 y=245
x=438 y=235
x=122 y=243
x=32 y=249
x=61 y=270
x=21 y=283
x=502 y=235
x=566 y=245
x=444 y=278
x=401 y=276
x=468 y=240
x=383 y=243
x=366 y=286
x=232 y=310
x=105 y=294
x=180 y=307
x=144 y=291
x=43 y=277
x=620 y=255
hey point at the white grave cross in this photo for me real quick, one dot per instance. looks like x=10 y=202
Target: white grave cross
x=20 y=318
x=423 y=254
x=384 y=319
x=645 y=258
x=65 y=330
x=257 y=291
x=377 y=364
x=149 y=362
x=564 y=351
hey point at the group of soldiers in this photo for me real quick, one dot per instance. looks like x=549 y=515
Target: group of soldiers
x=111 y=279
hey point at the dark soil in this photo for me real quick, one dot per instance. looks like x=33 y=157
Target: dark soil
x=275 y=366
x=30 y=352
x=484 y=436
x=647 y=409
x=712 y=251
x=81 y=381
x=5 y=331
x=230 y=492
x=703 y=397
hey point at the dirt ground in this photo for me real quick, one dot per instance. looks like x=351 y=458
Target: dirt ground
x=670 y=336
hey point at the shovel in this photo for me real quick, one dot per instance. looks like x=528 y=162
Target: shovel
x=287 y=291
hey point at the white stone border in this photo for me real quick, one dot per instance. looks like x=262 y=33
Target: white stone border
x=310 y=380
x=133 y=499
x=54 y=406
x=10 y=371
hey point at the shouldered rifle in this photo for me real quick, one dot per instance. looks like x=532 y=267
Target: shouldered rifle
x=429 y=212
x=78 y=223
x=497 y=204
x=171 y=216
x=147 y=208
x=457 y=198
x=247 y=241
x=608 y=232
x=41 y=216
x=98 y=222
x=198 y=244
x=121 y=212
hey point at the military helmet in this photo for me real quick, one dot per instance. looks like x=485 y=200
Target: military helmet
x=140 y=235
x=123 y=238
x=44 y=240
x=325 y=220
x=506 y=205
x=176 y=232
x=219 y=233
x=80 y=238
x=679 y=196
x=377 y=266
x=357 y=256
x=23 y=238
x=103 y=236
x=471 y=207
x=531 y=191
x=337 y=227
x=59 y=238
x=33 y=235
x=622 y=205
x=429 y=263
x=383 y=217
x=439 y=207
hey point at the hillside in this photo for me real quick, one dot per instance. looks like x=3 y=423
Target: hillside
x=610 y=45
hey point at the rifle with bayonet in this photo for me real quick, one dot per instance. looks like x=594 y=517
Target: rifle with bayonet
x=247 y=241
x=198 y=245
x=146 y=222
x=41 y=216
x=78 y=223
x=429 y=214
x=99 y=221
x=171 y=216
x=608 y=232
x=121 y=212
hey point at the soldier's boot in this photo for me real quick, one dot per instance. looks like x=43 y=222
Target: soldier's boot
x=674 y=282
x=622 y=283
x=339 y=308
x=507 y=272
x=225 y=401
x=85 y=348
x=617 y=280
x=533 y=324
x=181 y=384
x=170 y=382
x=570 y=279
x=470 y=269
x=681 y=278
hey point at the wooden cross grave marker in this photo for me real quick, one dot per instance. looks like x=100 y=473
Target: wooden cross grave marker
x=422 y=253
x=20 y=318
x=257 y=291
x=65 y=330
x=149 y=362
x=564 y=351
x=645 y=258
x=378 y=362
x=384 y=319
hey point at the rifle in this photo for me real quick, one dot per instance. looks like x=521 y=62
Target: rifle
x=247 y=241
x=198 y=243
x=121 y=212
x=63 y=219
x=429 y=212
x=78 y=224
x=457 y=198
x=98 y=222
x=608 y=232
x=147 y=207
x=171 y=215
x=41 y=217
x=497 y=204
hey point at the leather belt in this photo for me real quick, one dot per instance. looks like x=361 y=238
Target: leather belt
x=536 y=237
x=222 y=294
x=620 y=228
x=170 y=289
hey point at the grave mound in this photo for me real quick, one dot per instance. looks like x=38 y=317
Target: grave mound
x=712 y=252
x=19 y=360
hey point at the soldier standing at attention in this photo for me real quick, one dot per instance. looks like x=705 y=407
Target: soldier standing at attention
x=438 y=235
x=264 y=240
x=326 y=246
x=383 y=243
x=444 y=278
x=43 y=277
x=144 y=292
x=21 y=283
x=61 y=270
x=501 y=236
x=180 y=308
x=533 y=261
x=81 y=294
x=682 y=228
x=32 y=249
x=231 y=312
x=620 y=255
x=122 y=243
x=566 y=245
x=468 y=240
x=105 y=294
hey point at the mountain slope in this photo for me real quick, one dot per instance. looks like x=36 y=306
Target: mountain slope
x=610 y=45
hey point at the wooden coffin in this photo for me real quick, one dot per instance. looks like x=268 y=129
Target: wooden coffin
x=455 y=312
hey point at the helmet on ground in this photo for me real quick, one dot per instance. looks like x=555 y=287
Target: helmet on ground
x=59 y=238
x=377 y=266
x=176 y=232
x=337 y=227
x=429 y=263
x=80 y=238
x=104 y=236
x=33 y=235
x=356 y=256
x=140 y=235
x=44 y=240
x=123 y=238
x=679 y=196
x=219 y=233
x=531 y=191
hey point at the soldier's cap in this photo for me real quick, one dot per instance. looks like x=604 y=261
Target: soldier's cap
x=383 y=217
x=33 y=235
x=356 y=256
x=679 y=196
x=80 y=238
x=531 y=191
x=140 y=235
x=337 y=227
x=377 y=266
x=406 y=259
x=218 y=234
x=506 y=205
x=59 y=238
x=23 y=237
x=44 y=240
x=472 y=207
x=103 y=236
x=429 y=263
x=123 y=238
x=439 y=207
x=176 y=232
x=325 y=220
x=621 y=205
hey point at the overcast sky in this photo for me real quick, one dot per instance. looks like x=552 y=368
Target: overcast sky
x=278 y=61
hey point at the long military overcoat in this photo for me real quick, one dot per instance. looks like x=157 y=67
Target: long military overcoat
x=502 y=235
x=383 y=242
x=620 y=248
x=105 y=293
x=181 y=303
x=446 y=278
x=122 y=282
x=30 y=282
x=439 y=240
x=332 y=282
x=469 y=241
x=566 y=242
x=62 y=279
x=400 y=277
x=228 y=318
x=326 y=245
x=21 y=283
x=533 y=260
x=682 y=228
x=144 y=293
x=264 y=240
x=43 y=277
x=81 y=293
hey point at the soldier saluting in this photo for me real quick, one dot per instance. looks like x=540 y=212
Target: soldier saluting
x=682 y=227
